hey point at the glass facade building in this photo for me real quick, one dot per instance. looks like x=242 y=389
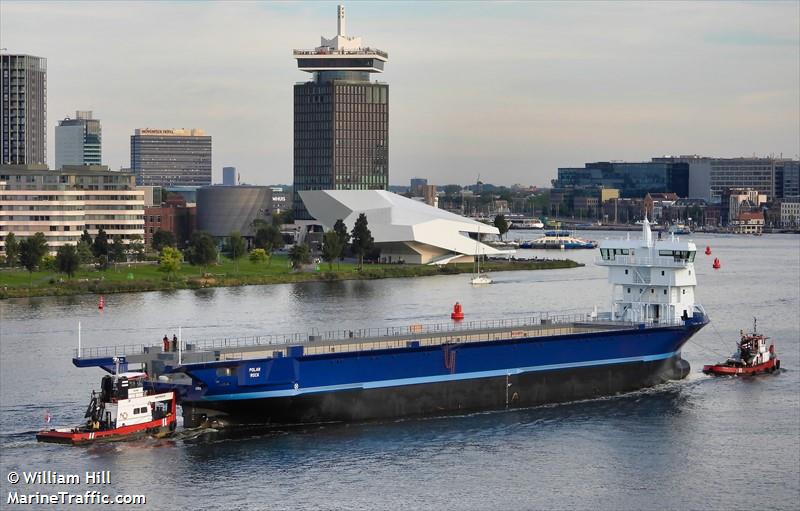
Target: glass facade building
x=79 y=140
x=633 y=180
x=341 y=119
x=171 y=157
x=23 y=123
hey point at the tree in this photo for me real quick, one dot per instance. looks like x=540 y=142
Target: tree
x=270 y=239
x=202 y=249
x=170 y=261
x=287 y=217
x=344 y=237
x=502 y=224
x=136 y=247
x=299 y=255
x=84 y=251
x=31 y=252
x=258 y=255
x=100 y=246
x=67 y=260
x=86 y=237
x=237 y=248
x=162 y=238
x=117 y=250
x=362 y=240
x=12 y=250
x=331 y=247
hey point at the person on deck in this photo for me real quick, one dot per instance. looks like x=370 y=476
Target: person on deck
x=174 y=342
x=166 y=343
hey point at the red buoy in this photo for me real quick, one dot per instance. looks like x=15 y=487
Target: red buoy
x=101 y=304
x=708 y=250
x=716 y=264
x=457 y=314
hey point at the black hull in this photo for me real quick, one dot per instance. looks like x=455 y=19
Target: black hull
x=515 y=391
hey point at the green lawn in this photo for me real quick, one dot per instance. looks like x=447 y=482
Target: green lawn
x=147 y=277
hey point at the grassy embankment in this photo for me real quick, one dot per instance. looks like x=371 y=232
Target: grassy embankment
x=146 y=277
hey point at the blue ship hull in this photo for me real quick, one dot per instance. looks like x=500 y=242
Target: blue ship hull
x=428 y=380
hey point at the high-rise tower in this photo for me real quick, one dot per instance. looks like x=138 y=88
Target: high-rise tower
x=171 y=157
x=341 y=119
x=23 y=124
x=79 y=140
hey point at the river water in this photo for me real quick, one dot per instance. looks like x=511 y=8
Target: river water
x=700 y=443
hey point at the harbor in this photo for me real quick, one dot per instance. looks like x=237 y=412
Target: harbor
x=694 y=420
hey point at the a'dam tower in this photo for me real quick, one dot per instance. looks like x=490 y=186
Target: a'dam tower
x=341 y=119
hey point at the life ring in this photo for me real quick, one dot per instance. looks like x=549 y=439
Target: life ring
x=124 y=415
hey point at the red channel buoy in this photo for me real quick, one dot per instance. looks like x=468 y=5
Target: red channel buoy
x=457 y=314
x=716 y=264
x=101 y=304
x=708 y=250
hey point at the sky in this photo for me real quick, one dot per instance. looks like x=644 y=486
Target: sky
x=504 y=91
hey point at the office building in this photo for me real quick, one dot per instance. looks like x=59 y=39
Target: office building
x=229 y=176
x=791 y=179
x=633 y=180
x=61 y=204
x=23 y=123
x=79 y=140
x=171 y=157
x=341 y=119
x=417 y=185
x=710 y=177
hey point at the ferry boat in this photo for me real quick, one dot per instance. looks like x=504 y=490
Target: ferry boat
x=526 y=224
x=558 y=240
x=122 y=409
x=752 y=356
x=457 y=367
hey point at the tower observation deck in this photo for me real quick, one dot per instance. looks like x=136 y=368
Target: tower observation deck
x=341 y=119
x=341 y=57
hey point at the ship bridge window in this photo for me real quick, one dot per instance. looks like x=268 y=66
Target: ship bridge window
x=678 y=255
x=608 y=253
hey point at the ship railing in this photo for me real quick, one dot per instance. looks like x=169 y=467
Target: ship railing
x=447 y=332
x=643 y=260
x=109 y=351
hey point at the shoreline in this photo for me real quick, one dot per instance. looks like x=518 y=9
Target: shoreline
x=196 y=279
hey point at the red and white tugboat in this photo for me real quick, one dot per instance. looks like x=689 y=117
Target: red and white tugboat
x=752 y=357
x=122 y=409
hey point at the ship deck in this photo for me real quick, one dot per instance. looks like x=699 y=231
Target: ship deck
x=153 y=358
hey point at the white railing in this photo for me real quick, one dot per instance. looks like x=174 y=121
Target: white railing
x=643 y=260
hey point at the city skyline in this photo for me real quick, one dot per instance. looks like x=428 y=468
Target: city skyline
x=507 y=91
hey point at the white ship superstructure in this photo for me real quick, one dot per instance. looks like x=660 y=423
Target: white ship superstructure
x=653 y=281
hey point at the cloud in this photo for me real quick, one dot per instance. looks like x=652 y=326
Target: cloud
x=508 y=90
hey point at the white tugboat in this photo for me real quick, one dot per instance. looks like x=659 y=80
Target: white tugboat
x=122 y=409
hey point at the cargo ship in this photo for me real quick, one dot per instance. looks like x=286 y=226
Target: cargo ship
x=456 y=367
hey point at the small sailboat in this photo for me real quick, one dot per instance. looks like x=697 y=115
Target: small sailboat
x=479 y=278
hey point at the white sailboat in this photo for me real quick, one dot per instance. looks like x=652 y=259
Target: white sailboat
x=478 y=277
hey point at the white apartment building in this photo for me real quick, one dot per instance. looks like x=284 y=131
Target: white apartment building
x=790 y=212
x=62 y=204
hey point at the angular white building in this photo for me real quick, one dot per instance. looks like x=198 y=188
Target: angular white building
x=403 y=228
